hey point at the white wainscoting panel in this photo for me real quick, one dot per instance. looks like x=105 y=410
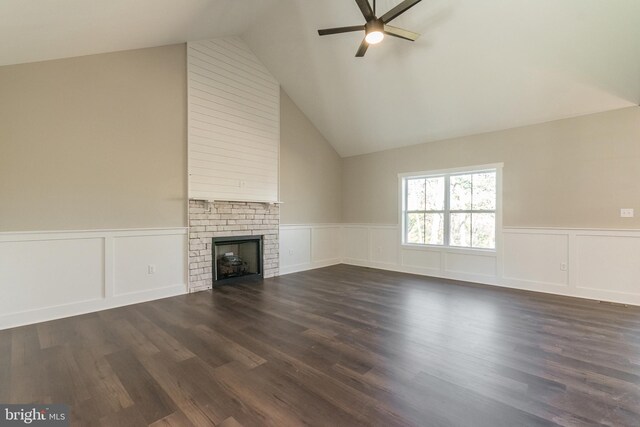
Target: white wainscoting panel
x=41 y=273
x=326 y=245
x=356 y=244
x=536 y=257
x=421 y=261
x=295 y=249
x=608 y=263
x=304 y=247
x=49 y=275
x=133 y=255
x=384 y=245
x=470 y=264
x=596 y=264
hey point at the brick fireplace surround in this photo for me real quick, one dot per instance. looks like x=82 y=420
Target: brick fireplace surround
x=221 y=219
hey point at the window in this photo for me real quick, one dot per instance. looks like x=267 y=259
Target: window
x=456 y=209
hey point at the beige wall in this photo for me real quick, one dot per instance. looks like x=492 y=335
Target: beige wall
x=575 y=172
x=99 y=142
x=310 y=170
x=94 y=142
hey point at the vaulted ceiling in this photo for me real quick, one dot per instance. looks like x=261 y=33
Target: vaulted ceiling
x=479 y=66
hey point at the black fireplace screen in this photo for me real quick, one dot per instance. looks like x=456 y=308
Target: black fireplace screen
x=237 y=257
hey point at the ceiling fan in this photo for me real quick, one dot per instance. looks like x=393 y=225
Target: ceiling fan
x=376 y=28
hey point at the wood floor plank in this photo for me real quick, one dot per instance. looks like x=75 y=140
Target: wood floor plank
x=130 y=335
x=232 y=350
x=359 y=405
x=5 y=365
x=103 y=384
x=94 y=334
x=272 y=411
x=160 y=338
x=177 y=419
x=341 y=345
x=149 y=399
x=57 y=332
x=59 y=378
x=219 y=400
x=229 y=422
x=127 y=417
x=190 y=398
x=27 y=369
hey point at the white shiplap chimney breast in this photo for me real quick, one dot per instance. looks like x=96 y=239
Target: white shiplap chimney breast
x=234 y=123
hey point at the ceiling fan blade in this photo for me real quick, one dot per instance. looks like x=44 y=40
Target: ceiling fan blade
x=366 y=10
x=398 y=10
x=338 y=30
x=401 y=33
x=362 y=49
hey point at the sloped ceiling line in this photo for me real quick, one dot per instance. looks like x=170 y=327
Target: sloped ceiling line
x=477 y=67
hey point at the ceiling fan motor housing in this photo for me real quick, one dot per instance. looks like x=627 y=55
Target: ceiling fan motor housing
x=374 y=25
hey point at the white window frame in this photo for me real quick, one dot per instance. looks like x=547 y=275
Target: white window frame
x=447 y=173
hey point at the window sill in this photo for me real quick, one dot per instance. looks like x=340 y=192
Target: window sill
x=450 y=249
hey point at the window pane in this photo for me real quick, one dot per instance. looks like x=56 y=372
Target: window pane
x=484 y=191
x=415 y=228
x=415 y=194
x=484 y=230
x=434 y=229
x=460 y=192
x=435 y=194
x=467 y=205
x=460 y=230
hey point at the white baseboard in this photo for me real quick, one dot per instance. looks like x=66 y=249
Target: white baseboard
x=83 y=307
x=309 y=266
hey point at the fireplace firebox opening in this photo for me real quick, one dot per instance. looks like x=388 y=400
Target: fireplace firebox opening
x=237 y=258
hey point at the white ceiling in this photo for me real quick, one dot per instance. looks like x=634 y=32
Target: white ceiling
x=479 y=65
x=35 y=30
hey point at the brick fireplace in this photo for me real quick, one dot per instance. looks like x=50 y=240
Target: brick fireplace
x=225 y=219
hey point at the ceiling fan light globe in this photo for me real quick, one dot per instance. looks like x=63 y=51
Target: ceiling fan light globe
x=374 y=37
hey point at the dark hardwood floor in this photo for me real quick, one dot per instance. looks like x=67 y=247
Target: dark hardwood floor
x=338 y=346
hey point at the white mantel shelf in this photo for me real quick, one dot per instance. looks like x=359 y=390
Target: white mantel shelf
x=270 y=202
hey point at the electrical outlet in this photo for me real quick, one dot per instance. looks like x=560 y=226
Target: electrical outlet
x=626 y=213
x=290 y=251
x=151 y=269
x=563 y=266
